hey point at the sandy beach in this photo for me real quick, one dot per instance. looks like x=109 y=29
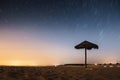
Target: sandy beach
x=59 y=73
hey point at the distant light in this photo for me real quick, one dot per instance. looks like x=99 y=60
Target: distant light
x=105 y=66
x=56 y=65
x=95 y=64
x=111 y=66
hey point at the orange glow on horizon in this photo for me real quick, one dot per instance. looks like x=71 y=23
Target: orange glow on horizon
x=20 y=49
x=25 y=63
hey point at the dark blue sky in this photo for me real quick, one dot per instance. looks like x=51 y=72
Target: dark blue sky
x=63 y=24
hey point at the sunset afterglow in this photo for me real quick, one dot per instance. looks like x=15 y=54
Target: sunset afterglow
x=44 y=33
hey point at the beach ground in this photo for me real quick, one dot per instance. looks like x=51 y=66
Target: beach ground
x=59 y=73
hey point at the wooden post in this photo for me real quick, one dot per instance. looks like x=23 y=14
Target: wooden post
x=85 y=58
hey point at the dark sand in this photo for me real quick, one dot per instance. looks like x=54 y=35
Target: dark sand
x=59 y=73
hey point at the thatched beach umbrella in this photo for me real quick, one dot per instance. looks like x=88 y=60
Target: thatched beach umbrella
x=87 y=45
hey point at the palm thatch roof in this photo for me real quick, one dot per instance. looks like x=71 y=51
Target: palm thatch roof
x=86 y=44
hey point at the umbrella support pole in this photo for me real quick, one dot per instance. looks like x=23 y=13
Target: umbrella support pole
x=85 y=58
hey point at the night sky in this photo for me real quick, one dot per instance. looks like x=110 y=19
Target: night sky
x=44 y=32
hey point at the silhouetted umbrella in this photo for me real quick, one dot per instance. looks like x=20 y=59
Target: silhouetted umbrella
x=87 y=45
